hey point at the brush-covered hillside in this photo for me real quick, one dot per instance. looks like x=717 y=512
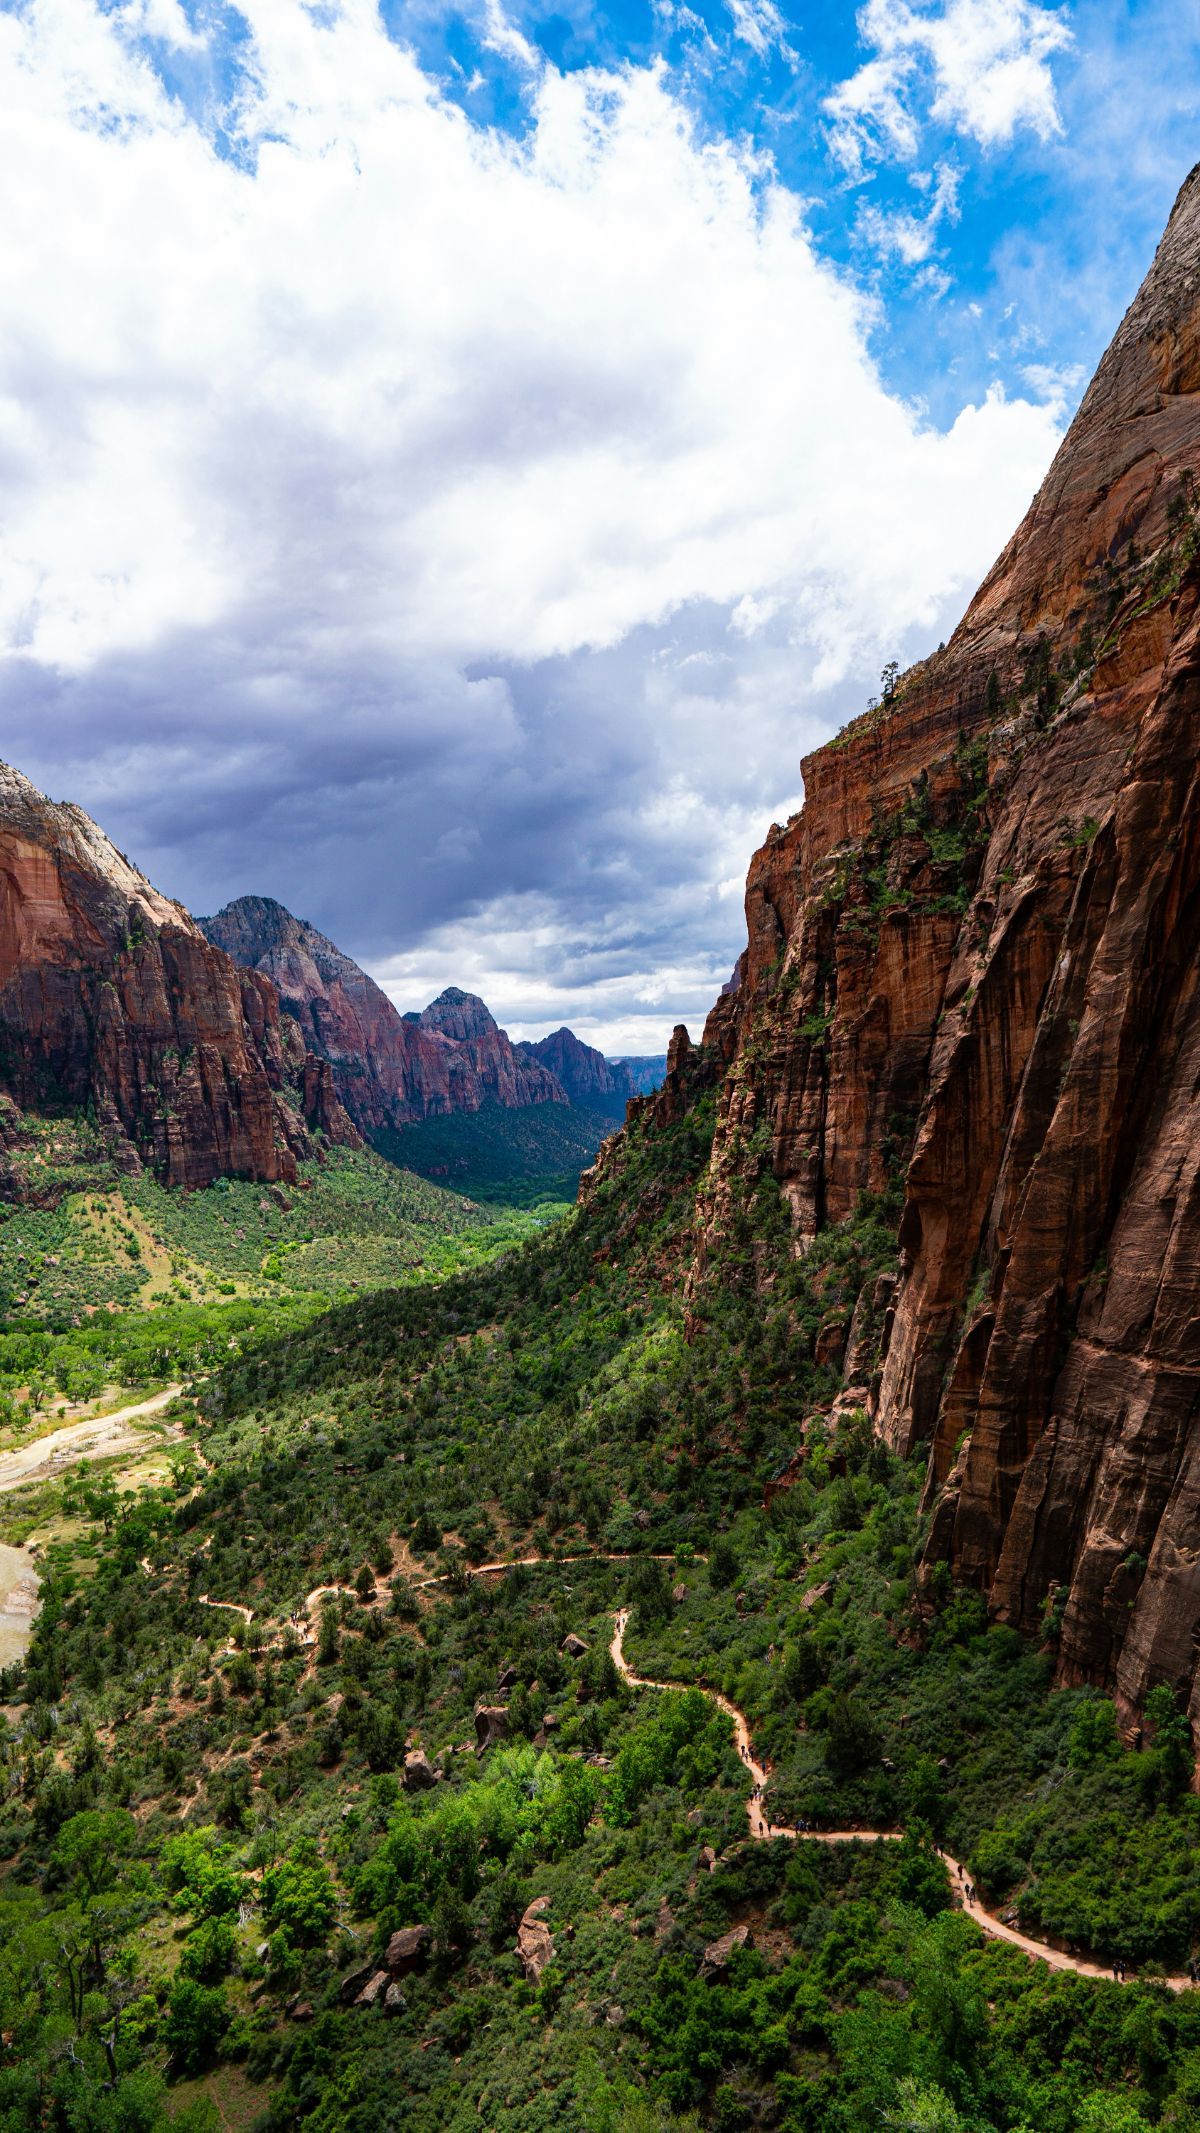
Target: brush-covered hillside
x=315 y=1819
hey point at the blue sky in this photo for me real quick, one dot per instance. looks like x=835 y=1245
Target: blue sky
x=454 y=462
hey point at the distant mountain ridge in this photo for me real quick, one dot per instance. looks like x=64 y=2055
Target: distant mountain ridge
x=393 y=1070
x=646 y=1071
x=390 y=1069
x=591 y=1081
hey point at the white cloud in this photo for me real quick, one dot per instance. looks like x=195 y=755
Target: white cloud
x=760 y=24
x=981 y=66
x=294 y=447
x=910 y=238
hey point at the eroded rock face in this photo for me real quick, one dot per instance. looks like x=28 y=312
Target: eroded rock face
x=972 y=965
x=388 y=1069
x=491 y=1725
x=535 y=1942
x=110 y=995
x=484 y=1065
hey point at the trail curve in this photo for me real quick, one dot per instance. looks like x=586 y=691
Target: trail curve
x=763 y=1831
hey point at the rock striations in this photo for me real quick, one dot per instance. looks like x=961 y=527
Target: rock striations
x=482 y=1065
x=111 y=997
x=973 y=967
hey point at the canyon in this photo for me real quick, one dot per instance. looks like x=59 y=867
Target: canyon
x=219 y=1047
x=113 y=1001
x=390 y=1069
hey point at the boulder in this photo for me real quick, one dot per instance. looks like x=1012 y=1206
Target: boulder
x=374 y=1989
x=354 y=1980
x=714 y=1966
x=419 y=1773
x=507 y=1677
x=535 y=1945
x=407 y=1949
x=573 y=1646
x=394 y=2002
x=491 y=1725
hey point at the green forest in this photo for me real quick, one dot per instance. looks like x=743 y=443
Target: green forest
x=287 y=1766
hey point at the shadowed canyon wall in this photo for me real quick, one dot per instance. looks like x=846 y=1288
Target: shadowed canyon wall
x=971 y=969
x=112 y=998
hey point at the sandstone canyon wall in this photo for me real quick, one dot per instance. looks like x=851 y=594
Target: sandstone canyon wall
x=972 y=968
x=588 y=1078
x=110 y=996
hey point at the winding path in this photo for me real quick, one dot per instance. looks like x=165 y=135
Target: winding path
x=762 y=1830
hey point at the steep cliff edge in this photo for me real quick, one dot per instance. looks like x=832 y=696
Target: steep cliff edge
x=110 y=996
x=971 y=970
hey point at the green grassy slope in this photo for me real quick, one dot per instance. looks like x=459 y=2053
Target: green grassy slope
x=551 y=1402
x=117 y=1280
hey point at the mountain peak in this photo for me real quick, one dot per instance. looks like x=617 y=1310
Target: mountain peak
x=461 y=1015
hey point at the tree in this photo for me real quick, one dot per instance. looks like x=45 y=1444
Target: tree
x=1093 y=1733
x=298 y=1895
x=1172 y=1736
x=724 y=1564
x=90 y=1847
x=208 y=1953
x=194 y=2023
x=922 y=2107
x=202 y=1875
x=1104 y=2112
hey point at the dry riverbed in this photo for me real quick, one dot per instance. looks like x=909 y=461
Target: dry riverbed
x=132 y=1433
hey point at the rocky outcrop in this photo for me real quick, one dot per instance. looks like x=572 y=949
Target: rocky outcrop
x=971 y=972
x=419 y=1773
x=112 y=998
x=590 y=1080
x=386 y=1070
x=491 y=1725
x=535 y=1942
x=408 y=1950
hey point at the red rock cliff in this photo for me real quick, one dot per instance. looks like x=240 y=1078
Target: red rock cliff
x=110 y=995
x=389 y=1069
x=973 y=964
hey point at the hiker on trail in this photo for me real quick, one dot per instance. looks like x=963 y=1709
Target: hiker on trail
x=1193 y=1969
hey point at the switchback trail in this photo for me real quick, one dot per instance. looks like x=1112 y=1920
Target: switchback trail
x=762 y=1831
